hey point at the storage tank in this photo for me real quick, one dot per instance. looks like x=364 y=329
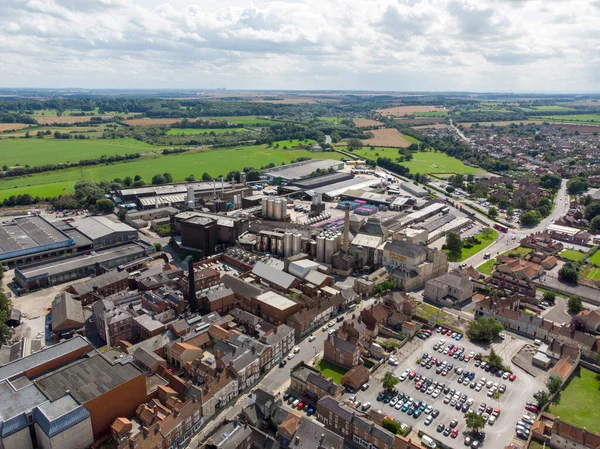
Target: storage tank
x=288 y=245
x=265 y=202
x=276 y=210
x=280 y=247
x=312 y=248
x=304 y=245
x=283 y=207
x=270 y=204
x=329 y=249
x=265 y=243
x=273 y=245
x=320 y=248
x=297 y=248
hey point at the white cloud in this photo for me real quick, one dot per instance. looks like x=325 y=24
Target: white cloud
x=477 y=45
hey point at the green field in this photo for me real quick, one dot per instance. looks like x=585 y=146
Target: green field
x=587 y=118
x=551 y=108
x=573 y=255
x=244 y=120
x=431 y=114
x=578 y=403
x=49 y=150
x=329 y=369
x=215 y=162
x=175 y=131
x=595 y=259
x=591 y=272
x=486 y=240
x=332 y=119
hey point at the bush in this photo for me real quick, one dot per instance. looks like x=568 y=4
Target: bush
x=484 y=329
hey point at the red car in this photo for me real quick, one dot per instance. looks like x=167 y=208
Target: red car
x=454 y=433
x=412 y=375
x=512 y=377
x=531 y=408
x=418 y=385
x=300 y=405
x=445 y=373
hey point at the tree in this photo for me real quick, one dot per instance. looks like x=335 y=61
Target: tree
x=474 y=421
x=127 y=181
x=574 y=305
x=595 y=223
x=544 y=206
x=158 y=179
x=550 y=181
x=392 y=425
x=206 y=177
x=569 y=272
x=577 y=185
x=554 y=384
x=105 y=206
x=531 y=218
x=354 y=144
x=454 y=245
x=389 y=381
x=550 y=297
x=495 y=360
x=158 y=246
x=484 y=329
x=191 y=178
x=510 y=212
x=168 y=177
x=592 y=210
x=87 y=192
x=542 y=399
x=493 y=213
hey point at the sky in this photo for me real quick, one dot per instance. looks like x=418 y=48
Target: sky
x=399 y=45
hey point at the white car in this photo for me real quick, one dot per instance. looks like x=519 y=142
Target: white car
x=312 y=338
x=324 y=328
x=331 y=324
x=479 y=386
x=430 y=390
x=492 y=420
x=296 y=350
x=290 y=356
x=402 y=377
x=331 y=331
x=436 y=393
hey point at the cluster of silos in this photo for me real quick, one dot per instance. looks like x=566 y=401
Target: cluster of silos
x=237 y=202
x=284 y=245
x=327 y=244
x=274 y=208
x=318 y=218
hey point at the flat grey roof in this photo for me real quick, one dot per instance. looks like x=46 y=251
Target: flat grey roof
x=58 y=408
x=29 y=232
x=98 y=227
x=170 y=189
x=15 y=402
x=276 y=300
x=86 y=379
x=301 y=169
x=330 y=178
x=73 y=263
x=45 y=355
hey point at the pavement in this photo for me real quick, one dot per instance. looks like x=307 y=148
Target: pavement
x=511 y=403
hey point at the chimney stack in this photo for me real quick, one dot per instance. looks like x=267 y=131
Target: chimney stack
x=191 y=286
x=346 y=240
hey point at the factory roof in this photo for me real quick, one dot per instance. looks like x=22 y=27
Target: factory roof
x=240 y=287
x=273 y=275
x=66 y=308
x=162 y=200
x=57 y=416
x=27 y=233
x=170 y=189
x=339 y=188
x=564 y=229
x=53 y=352
x=329 y=178
x=86 y=379
x=98 y=282
x=99 y=227
x=413 y=188
x=15 y=402
x=74 y=263
x=139 y=214
x=301 y=169
x=276 y=300
x=367 y=241
x=404 y=248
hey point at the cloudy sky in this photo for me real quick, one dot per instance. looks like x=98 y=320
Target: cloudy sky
x=402 y=45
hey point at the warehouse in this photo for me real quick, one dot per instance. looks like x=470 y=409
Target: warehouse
x=30 y=238
x=414 y=189
x=339 y=188
x=103 y=231
x=324 y=180
x=77 y=267
x=300 y=170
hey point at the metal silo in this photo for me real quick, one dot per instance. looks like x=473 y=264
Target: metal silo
x=280 y=247
x=265 y=243
x=288 y=245
x=270 y=205
x=264 y=207
x=276 y=210
x=329 y=249
x=273 y=245
x=320 y=248
x=297 y=244
x=283 y=206
x=305 y=247
x=312 y=245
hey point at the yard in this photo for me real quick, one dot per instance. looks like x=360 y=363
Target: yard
x=578 y=403
x=518 y=252
x=486 y=239
x=487 y=267
x=329 y=369
x=595 y=259
x=571 y=254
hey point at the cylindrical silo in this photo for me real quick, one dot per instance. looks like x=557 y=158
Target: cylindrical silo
x=283 y=207
x=288 y=245
x=304 y=246
x=273 y=245
x=270 y=205
x=297 y=244
x=265 y=202
x=320 y=248
x=312 y=245
x=265 y=243
x=329 y=249
x=280 y=247
x=276 y=210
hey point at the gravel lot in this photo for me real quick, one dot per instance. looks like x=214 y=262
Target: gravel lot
x=511 y=402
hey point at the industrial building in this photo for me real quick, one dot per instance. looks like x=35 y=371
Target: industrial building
x=25 y=239
x=103 y=231
x=339 y=188
x=414 y=189
x=300 y=170
x=274 y=208
x=56 y=272
x=140 y=218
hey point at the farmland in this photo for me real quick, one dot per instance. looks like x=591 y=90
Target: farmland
x=214 y=162
x=588 y=118
x=364 y=122
x=36 y=152
x=432 y=162
x=388 y=137
x=12 y=126
x=245 y=120
x=399 y=111
x=66 y=119
x=175 y=131
x=152 y=121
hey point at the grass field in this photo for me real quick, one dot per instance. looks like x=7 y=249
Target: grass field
x=588 y=118
x=591 y=272
x=578 y=403
x=431 y=162
x=245 y=120
x=431 y=313
x=551 y=108
x=91 y=131
x=328 y=370
x=573 y=255
x=175 y=131
x=595 y=259
x=487 y=267
x=214 y=162
x=49 y=150
x=518 y=252
x=486 y=240
x=432 y=114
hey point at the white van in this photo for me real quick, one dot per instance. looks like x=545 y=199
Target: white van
x=427 y=441
x=537 y=342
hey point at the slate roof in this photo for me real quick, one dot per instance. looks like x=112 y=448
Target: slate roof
x=60 y=415
x=273 y=275
x=241 y=287
x=66 y=308
x=406 y=249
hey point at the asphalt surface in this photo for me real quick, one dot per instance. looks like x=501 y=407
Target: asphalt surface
x=511 y=402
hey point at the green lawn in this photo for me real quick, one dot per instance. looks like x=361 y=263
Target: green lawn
x=176 y=131
x=487 y=267
x=517 y=252
x=578 y=403
x=572 y=118
x=573 y=255
x=49 y=150
x=486 y=240
x=329 y=369
x=591 y=272
x=595 y=259
x=215 y=162
x=429 y=312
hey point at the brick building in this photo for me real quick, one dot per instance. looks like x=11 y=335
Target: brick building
x=343 y=347
x=100 y=286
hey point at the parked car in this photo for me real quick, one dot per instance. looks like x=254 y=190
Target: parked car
x=365 y=386
x=312 y=338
